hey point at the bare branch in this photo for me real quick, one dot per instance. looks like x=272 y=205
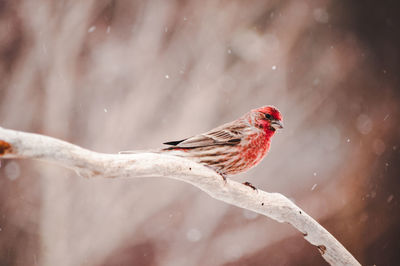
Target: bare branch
x=16 y=144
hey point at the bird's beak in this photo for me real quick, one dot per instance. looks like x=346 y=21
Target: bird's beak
x=276 y=124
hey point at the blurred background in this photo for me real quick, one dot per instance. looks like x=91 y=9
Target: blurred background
x=122 y=75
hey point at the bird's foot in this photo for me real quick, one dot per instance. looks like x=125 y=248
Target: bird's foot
x=249 y=185
x=223 y=176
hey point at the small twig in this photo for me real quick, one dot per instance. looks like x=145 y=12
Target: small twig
x=16 y=144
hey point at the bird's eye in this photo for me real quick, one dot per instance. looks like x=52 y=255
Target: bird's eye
x=268 y=116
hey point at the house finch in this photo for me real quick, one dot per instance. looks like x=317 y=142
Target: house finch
x=233 y=147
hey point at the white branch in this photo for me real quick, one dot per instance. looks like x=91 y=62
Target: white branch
x=15 y=144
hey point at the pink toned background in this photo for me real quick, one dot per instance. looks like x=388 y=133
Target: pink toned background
x=120 y=75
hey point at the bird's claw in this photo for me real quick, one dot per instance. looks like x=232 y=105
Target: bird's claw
x=249 y=185
x=218 y=172
x=223 y=177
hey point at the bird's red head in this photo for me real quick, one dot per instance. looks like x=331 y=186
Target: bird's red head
x=268 y=117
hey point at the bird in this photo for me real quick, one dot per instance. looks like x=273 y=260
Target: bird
x=234 y=147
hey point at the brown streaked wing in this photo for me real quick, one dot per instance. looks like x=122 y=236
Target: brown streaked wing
x=219 y=136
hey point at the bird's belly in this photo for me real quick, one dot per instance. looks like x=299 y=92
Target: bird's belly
x=246 y=157
x=227 y=159
x=252 y=154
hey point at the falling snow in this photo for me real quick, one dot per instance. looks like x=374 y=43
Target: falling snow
x=390 y=198
x=343 y=142
x=386 y=117
x=92 y=29
x=364 y=124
